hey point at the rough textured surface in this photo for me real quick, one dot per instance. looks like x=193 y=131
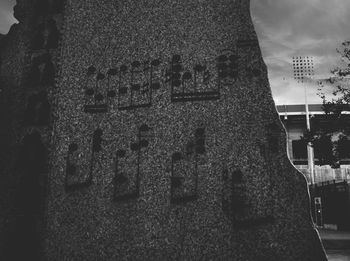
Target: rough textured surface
x=166 y=143
x=28 y=64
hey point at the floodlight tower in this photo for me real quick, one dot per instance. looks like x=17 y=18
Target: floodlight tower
x=303 y=68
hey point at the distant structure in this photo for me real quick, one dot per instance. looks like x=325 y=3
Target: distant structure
x=293 y=119
x=144 y=130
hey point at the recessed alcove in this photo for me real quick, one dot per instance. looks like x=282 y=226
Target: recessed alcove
x=38 y=110
x=53 y=35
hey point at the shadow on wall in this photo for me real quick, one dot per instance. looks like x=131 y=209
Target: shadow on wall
x=23 y=231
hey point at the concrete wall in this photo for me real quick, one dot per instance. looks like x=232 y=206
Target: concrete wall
x=157 y=140
x=152 y=164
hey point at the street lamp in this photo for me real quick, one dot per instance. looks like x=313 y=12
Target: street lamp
x=303 y=69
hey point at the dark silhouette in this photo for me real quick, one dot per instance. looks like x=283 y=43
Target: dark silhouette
x=23 y=240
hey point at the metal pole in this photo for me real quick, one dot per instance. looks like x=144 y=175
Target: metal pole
x=310 y=149
x=303 y=68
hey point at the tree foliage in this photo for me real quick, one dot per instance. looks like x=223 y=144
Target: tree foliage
x=329 y=136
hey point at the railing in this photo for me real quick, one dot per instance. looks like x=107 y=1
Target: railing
x=326 y=173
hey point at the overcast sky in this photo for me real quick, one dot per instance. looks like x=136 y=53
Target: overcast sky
x=286 y=28
x=6 y=15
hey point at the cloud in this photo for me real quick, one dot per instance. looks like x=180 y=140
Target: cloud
x=6 y=15
x=299 y=28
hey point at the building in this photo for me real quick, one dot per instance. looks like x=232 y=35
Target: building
x=330 y=197
x=133 y=133
x=293 y=118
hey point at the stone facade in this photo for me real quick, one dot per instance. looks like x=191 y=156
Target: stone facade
x=164 y=140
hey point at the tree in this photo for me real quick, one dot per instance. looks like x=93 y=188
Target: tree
x=329 y=136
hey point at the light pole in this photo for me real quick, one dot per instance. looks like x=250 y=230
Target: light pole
x=303 y=69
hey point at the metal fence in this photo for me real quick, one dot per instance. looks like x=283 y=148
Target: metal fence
x=330 y=204
x=326 y=173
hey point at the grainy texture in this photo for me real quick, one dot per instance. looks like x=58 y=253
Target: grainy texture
x=166 y=143
x=28 y=64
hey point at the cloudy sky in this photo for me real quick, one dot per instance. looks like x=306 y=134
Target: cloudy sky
x=286 y=28
x=6 y=17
